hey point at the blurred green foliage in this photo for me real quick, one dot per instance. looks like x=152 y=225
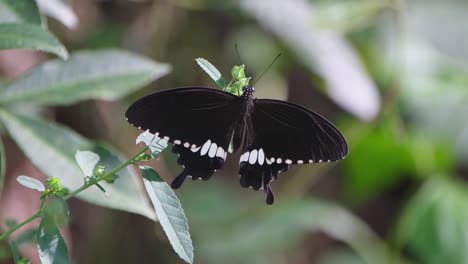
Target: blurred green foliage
x=391 y=74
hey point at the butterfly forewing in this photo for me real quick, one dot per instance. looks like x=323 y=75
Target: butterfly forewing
x=198 y=121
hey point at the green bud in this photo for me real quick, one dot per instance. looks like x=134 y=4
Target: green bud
x=238 y=72
x=111 y=178
x=53 y=184
x=99 y=171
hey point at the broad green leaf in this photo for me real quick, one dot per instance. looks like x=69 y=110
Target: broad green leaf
x=2 y=165
x=433 y=225
x=380 y=160
x=31 y=183
x=344 y=15
x=50 y=243
x=24 y=11
x=52 y=147
x=169 y=212
x=87 y=161
x=435 y=94
x=59 y=10
x=105 y=74
x=28 y=36
x=266 y=232
x=155 y=143
x=212 y=72
x=327 y=53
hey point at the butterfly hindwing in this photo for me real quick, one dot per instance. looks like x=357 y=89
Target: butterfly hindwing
x=198 y=121
x=285 y=134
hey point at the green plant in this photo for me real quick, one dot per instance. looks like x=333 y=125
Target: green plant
x=102 y=74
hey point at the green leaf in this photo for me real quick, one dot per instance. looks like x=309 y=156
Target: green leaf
x=267 y=232
x=345 y=16
x=433 y=225
x=31 y=183
x=212 y=72
x=60 y=10
x=105 y=74
x=87 y=161
x=28 y=36
x=57 y=210
x=52 y=147
x=50 y=243
x=170 y=213
x=15 y=250
x=328 y=54
x=24 y=11
x=379 y=160
x=10 y=222
x=2 y=165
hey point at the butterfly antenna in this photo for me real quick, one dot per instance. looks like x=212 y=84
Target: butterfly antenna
x=238 y=56
x=271 y=64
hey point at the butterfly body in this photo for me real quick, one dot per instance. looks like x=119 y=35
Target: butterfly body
x=272 y=134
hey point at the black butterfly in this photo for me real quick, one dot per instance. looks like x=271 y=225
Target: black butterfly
x=202 y=122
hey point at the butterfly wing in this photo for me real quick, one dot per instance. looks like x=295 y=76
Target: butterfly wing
x=284 y=134
x=198 y=121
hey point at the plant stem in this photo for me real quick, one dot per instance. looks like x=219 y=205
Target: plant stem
x=85 y=186
x=88 y=184
x=19 y=225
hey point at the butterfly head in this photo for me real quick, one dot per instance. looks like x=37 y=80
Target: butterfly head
x=248 y=91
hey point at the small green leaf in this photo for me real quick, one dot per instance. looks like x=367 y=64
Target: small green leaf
x=87 y=161
x=57 y=210
x=212 y=72
x=52 y=147
x=155 y=143
x=50 y=243
x=2 y=165
x=31 y=183
x=104 y=74
x=10 y=222
x=28 y=36
x=170 y=213
x=14 y=11
x=24 y=261
x=15 y=250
